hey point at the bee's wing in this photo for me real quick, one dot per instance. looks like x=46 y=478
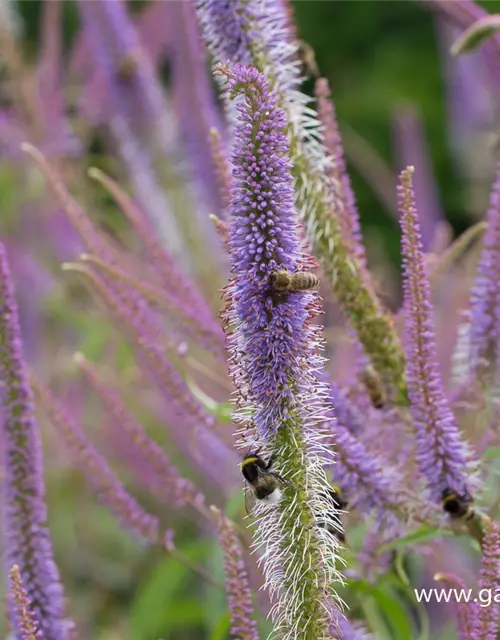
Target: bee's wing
x=250 y=500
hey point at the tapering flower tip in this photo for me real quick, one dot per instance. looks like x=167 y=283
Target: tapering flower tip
x=441 y=455
x=488 y=616
x=466 y=613
x=101 y=478
x=25 y=626
x=26 y=536
x=345 y=204
x=169 y=540
x=411 y=145
x=222 y=229
x=243 y=626
x=485 y=295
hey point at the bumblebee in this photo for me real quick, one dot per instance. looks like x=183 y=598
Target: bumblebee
x=456 y=505
x=374 y=387
x=340 y=503
x=263 y=484
x=127 y=66
x=308 y=59
x=292 y=282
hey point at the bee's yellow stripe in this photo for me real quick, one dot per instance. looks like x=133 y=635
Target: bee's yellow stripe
x=452 y=496
x=248 y=461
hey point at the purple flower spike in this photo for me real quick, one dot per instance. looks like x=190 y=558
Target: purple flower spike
x=348 y=211
x=441 y=455
x=99 y=475
x=487 y=618
x=27 y=539
x=263 y=238
x=274 y=361
x=465 y=612
x=485 y=296
x=243 y=626
x=28 y=627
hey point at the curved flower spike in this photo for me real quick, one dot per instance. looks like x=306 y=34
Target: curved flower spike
x=243 y=626
x=28 y=625
x=258 y=33
x=465 y=612
x=487 y=617
x=27 y=539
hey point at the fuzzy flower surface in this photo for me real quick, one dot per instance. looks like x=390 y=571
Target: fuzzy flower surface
x=274 y=361
x=258 y=33
x=26 y=536
x=488 y=620
x=239 y=595
x=485 y=294
x=441 y=454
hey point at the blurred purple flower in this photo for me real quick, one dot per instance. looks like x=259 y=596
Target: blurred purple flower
x=484 y=307
x=487 y=621
x=243 y=626
x=27 y=539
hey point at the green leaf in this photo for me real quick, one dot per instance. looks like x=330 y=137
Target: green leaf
x=476 y=34
x=235 y=506
x=223 y=410
x=215 y=600
x=221 y=629
x=389 y=605
x=491 y=453
x=160 y=598
x=423 y=534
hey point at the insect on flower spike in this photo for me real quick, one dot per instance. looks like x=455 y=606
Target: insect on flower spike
x=258 y=33
x=283 y=399
x=443 y=458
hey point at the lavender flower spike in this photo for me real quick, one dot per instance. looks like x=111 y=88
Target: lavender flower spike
x=274 y=361
x=27 y=539
x=483 y=332
x=243 y=626
x=441 y=455
x=465 y=613
x=28 y=627
x=487 y=619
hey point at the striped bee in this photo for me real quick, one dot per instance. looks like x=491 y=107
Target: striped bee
x=292 y=282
